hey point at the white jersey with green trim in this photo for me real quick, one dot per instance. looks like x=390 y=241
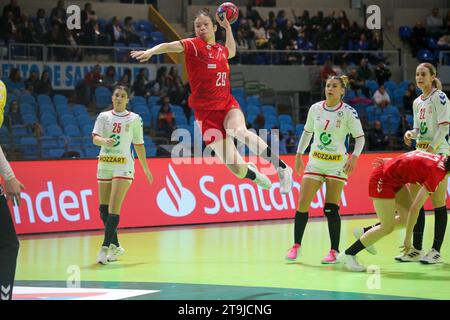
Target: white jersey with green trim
x=429 y=113
x=125 y=128
x=330 y=128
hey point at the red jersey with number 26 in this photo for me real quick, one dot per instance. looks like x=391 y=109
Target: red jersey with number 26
x=208 y=73
x=419 y=167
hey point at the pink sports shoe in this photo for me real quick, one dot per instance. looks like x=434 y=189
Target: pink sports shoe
x=331 y=258
x=293 y=252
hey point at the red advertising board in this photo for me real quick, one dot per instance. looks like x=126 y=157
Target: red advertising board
x=62 y=195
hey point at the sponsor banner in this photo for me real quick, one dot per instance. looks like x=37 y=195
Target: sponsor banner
x=66 y=75
x=62 y=195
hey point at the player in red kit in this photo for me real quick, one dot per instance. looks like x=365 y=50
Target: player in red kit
x=389 y=190
x=216 y=111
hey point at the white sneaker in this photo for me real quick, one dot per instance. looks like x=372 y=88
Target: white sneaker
x=358 y=232
x=432 y=257
x=261 y=180
x=286 y=182
x=413 y=255
x=114 y=252
x=350 y=262
x=101 y=257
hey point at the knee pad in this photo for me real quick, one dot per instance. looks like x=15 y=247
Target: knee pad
x=331 y=211
x=104 y=208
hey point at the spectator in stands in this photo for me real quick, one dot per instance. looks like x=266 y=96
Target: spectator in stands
x=281 y=20
x=166 y=119
x=364 y=71
x=446 y=26
x=435 y=23
x=378 y=140
x=91 y=81
x=125 y=80
x=260 y=35
x=252 y=14
x=8 y=26
x=173 y=75
x=327 y=71
x=115 y=31
x=376 y=43
x=74 y=53
x=382 y=73
x=109 y=78
x=41 y=26
x=15 y=80
x=418 y=38
x=14 y=8
x=130 y=34
x=357 y=83
x=444 y=42
x=241 y=42
x=44 y=85
x=25 y=30
x=140 y=84
x=157 y=87
x=14 y=115
x=176 y=92
x=408 y=99
x=58 y=14
x=32 y=81
x=381 y=97
x=87 y=14
x=362 y=44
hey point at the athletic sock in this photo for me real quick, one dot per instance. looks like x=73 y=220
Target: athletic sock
x=355 y=248
x=110 y=229
x=440 y=224
x=301 y=219
x=370 y=227
x=331 y=211
x=250 y=174
x=418 y=230
x=104 y=216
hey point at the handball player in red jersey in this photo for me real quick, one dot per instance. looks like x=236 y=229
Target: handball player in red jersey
x=216 y=111
x=388 y=188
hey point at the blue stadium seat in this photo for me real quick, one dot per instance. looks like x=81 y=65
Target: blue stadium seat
x=286 y=127
x=44 y=99
x=251 y=108
x=29 y=118
x=72 y=130
x=253 y=100
x=102 y=97
x=153 y=100
x=55 y=153
x=62 y=109
x=46 y=108
x=53 y=130
x=238 y=92
x=145 y=25
x=299 y=129
x=26 y=108
x=27 y=98
x=372 y=85
x=59 y=99
x=67 y=119
x=405 y=32
x=47 y=119
x=87 y=130
x=269 y=110
x=92 y=152
x=85 y=119
x=49 y=142
x=29 y=148
x=373 y=114
x=141 y=109
x=285 y=118
x=390 y=85
x=138 y=100
x=251 y=117
x=79 y=109
x=19 y=131
x=425 y=55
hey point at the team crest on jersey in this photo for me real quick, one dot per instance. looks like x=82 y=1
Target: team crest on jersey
x=340 y=114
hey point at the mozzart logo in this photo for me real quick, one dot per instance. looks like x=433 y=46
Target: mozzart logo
x=175 y=200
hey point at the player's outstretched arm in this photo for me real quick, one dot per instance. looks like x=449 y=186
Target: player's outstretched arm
x=229 y=41
x=168 y=47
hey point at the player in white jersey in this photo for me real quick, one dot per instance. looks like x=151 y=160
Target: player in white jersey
x=331 y=121
x=431 y=127
x=115 y=130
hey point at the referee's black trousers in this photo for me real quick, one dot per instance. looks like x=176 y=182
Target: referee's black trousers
x=9 y=248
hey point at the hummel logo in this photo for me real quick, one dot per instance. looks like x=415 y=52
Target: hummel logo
x=380 y=185
x=5 y=292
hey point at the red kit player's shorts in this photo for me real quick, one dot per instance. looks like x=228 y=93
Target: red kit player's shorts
x=211 y=122
x=381 y=188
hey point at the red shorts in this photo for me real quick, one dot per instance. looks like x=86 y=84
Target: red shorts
x=381 y=188
x=211 y=122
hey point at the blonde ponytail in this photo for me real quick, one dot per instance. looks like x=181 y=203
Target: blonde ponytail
x=437 y=83
x=344 y=81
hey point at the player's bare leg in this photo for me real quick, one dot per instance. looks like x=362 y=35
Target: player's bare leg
x=235 y=126
x=226 y=151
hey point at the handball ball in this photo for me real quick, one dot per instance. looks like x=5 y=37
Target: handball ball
x=231 y=11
